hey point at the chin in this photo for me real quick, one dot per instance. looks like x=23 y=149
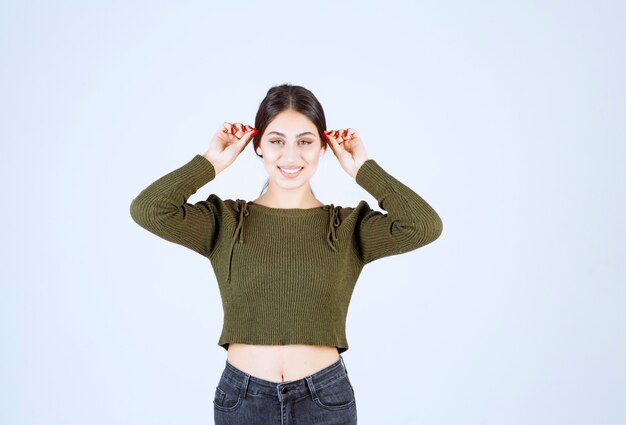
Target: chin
x=284 y=183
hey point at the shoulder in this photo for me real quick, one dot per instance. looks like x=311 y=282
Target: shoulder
x=226 y=207
x=350 y=213
x=361 y=206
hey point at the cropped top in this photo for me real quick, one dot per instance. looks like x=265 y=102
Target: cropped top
x=286 y=275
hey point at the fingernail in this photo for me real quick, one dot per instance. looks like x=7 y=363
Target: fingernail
x=345 y=133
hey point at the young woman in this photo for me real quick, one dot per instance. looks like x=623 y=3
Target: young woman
x=286 y=263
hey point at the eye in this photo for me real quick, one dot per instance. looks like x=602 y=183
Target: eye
x=275 y=141
x=306 y=142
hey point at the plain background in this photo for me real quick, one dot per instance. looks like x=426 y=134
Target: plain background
x=507 y=117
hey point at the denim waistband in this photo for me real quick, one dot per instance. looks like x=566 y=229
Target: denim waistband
x=250 y=384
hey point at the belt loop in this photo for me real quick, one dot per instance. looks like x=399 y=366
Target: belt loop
x=309 y=381
x=343 y=363
x=246 y=381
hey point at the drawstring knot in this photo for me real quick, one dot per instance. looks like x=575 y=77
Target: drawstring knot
x=241 y=206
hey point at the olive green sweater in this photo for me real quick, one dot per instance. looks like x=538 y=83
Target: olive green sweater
x=286 y=275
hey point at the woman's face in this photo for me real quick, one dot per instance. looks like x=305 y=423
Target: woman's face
x=291 y=149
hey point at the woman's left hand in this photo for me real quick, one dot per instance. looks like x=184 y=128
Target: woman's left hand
x=348 y=148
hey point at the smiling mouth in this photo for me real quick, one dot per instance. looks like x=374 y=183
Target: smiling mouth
x=290 y=172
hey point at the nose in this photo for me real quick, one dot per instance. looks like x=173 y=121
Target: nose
x=290 y=153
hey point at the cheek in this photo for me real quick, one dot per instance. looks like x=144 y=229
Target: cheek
x=269 y=153
x=313 y=156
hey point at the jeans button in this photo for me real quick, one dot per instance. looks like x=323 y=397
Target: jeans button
x=284 y=390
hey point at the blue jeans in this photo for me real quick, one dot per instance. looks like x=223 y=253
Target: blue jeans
x=323 y=398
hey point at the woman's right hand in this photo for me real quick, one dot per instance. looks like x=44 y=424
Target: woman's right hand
x=227 y=143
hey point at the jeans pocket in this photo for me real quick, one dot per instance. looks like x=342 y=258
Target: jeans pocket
x=336 y=395
x=227 y=397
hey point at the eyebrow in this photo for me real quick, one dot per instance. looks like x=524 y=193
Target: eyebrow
x=283 y=135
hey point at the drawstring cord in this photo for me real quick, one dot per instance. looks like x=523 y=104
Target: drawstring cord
x=242 y=207
x=333 y=222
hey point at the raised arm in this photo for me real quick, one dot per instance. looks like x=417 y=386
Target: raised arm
x=409 y=222
x=162 y=207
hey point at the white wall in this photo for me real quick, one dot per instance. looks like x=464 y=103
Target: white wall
x=507 y=117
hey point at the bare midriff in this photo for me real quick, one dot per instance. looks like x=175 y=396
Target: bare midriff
x=280 y=363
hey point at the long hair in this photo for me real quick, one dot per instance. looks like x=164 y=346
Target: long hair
x=288 y=97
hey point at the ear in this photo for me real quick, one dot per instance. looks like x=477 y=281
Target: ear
x=258 y=151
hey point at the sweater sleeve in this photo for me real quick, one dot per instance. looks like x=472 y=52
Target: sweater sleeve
x=162 y=207
x=410 y=222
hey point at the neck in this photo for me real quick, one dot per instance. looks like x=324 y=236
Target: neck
x=277 y=197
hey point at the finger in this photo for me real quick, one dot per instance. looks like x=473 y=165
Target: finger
x=240 y=130
x=329 y=133
x=250 y=131
x=247 y=129
x=248 y=135
x=332 y=141
x=226 y=127
x=232 y=128
x=338 y=136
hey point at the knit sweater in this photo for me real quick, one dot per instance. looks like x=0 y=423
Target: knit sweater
x=286 y=275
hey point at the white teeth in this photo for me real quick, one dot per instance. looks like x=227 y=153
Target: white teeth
x=292 y=171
